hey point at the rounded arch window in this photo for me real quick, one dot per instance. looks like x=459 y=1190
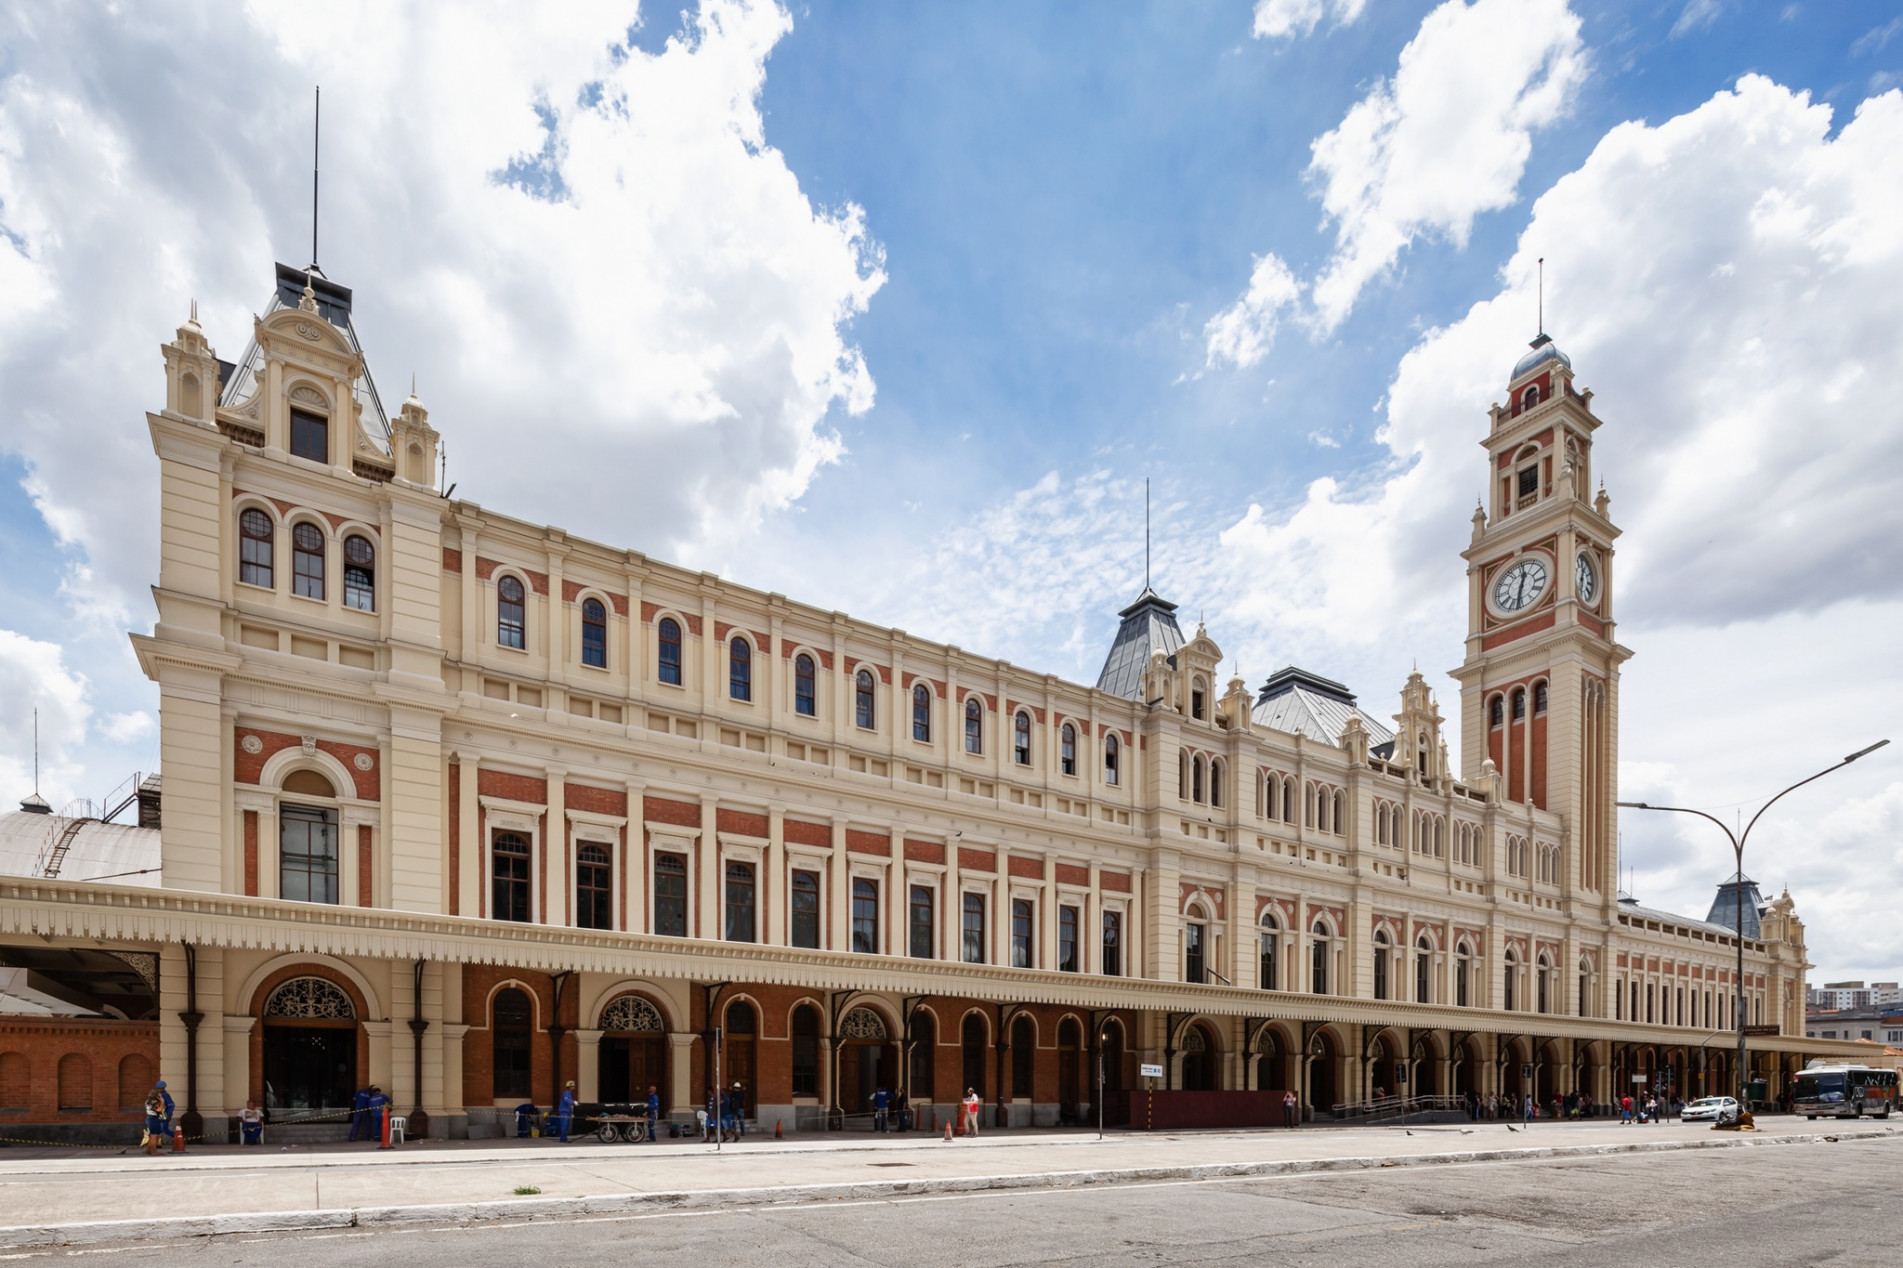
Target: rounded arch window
x=974 y=725
x=1021 y=738
x=633 y=1015
x=1519 y=704
x=256 y=543
x=1112 y=750
x=667 y=653
x=805 y=688
x=308 y=783
x=740 y=669
x=1531 y=398
x=922 y=713
x=1067 y=748
x=511 y=613
x=360 y=573
x=310 y=999
x=307 y=560
x=862 y=699
x=594 y=633
x=511 y=1027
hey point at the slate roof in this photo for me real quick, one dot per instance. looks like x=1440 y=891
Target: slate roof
x=1301 y=703
x=1724 y=906
x=239 y=379
x=1148 y=624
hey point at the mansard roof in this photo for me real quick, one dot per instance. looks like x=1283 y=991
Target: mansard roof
x=1149 y=624
x=237 y=380
x=1301 y=703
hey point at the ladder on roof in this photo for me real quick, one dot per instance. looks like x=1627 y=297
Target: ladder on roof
x=56 y=857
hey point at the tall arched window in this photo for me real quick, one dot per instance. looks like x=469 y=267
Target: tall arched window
x=1111 y=751
x=511 y=1022
x=865 y=917
x=971 y=1036
x=1338 y=818
x=1023 y=1057
x=1269 y=977
x=1381 y=958
x=1215 y=782
x=509 y=876
x=307 y=560
x=1318 y=960
x=974 y=725
x=511 y=616
x=740 y=669
x=1196 y=778
x=1423 y=971
x=1511 y=971
x=1463 y=973
x=862 y=699
x=805 y=692
x=1021 y=738
x=257 y=540
x=1067 y=748
x=594 y=633
x=594 y=907
x=805 y=1051
x=1496 y=711
x=1540 y=986
x=922 y=713
x=1519 y=704
x=667 y=662
x=360 y=573
x=1539 y=697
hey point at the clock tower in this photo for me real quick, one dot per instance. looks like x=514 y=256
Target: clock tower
x=1540 y=682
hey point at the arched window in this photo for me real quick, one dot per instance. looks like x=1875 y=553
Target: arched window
x=256 y=545
x=511 y=1019
x=1110 y=751
x=307 y=843
x=1288 y=800
x=865 y=917
x=1540 y=985
x=1215 y=782
x=1023 y=1057
x=971 y=1036
x=307 y=560
x=1463 y=970
x=1539 y=697
x=1380 y=823
x=1531 y=398
x=922 y=713
x=1512 y=970
x=1381 y=956
x=1021 y=738
x=1519 y=704
x=593 y=892
x=804 y=921
x=805 y=1051
x=1269 y=977
x=360 y=573
x=1338 y=820
x=1423 y=971
x=1193 y=933
x=511 y=617
x=740 y=669
x=974 y=725
x=1318 y=960
x=594 y=633
x=862 y=699
x=1196 y=778
x=805 y=694
x=668 y=652
x=509 y=876
x=1196 y=696
x=1496 y=711
x=1067 y=749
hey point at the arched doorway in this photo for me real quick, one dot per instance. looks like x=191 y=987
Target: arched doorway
x=864 y=1066
x=920 y=1083
x=1466 y=1069
x=1023 y=1059
x=1513 y=1083
x=511 y=1045
x=310 y=1048
x=971 y=1038
x=1424 y=1072
x=738 y=1054
x=1070 y=1037
x=1322 y=1083
x=1546 y=1077
x=1271 y=1061
x=805 y=1030
x=1199 y=1059
x=1381 y=1066
x=1113 y=1055
x=633 y=1052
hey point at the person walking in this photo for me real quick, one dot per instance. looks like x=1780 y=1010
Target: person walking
x=881 y=1107
x=1526 y=1111
x=970 y=1106
x=901 y=1110
x=565 y=1109
x=1625 y=1110
x=250 y=1124
x=654 y=1114
x=360 y=1115
x=1291 y=1109
x=154 y=1123
x=735 y=1110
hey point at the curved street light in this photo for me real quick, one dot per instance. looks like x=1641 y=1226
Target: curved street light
x=1737 y=849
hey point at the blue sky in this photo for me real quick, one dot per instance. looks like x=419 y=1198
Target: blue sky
x=893 y=308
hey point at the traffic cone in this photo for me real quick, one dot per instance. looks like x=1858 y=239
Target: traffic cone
x=178 y=1139
x=777 y=1135
x=948 y=1131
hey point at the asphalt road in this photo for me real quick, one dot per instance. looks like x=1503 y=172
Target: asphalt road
x=1808 y=1204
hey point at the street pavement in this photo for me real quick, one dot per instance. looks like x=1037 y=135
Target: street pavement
x=1789 y=1204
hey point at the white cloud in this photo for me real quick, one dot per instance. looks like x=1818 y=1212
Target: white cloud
x=586 y=254
x=1696 y=15
x=34 y=675
x=1243 y=333
x=1878 y=38
x=1275 y=19
x=1446 y=139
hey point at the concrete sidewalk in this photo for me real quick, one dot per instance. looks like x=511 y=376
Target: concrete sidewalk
x=107 y=1196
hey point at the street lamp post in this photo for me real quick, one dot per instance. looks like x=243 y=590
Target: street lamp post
x=1737 y=840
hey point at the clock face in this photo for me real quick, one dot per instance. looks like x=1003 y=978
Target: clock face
x=1519 y=585
x=1586 y=579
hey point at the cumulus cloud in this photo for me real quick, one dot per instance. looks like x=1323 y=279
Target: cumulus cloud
x=1446 y=139
x=590 y=253
x=1275 y=19
x=34 y=676
x=1243 y=333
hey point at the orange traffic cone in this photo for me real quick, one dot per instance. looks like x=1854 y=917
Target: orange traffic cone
x=178 y=1139
x=948 y=1131
x=777 y=1135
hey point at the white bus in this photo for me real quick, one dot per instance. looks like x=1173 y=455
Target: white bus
x=1844 y=1091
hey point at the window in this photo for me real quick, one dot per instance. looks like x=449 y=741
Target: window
x=310 y=436
x=1067 y=749
x=1529 y=483
x=973 y=950
x=1215 y=782
x=1110 y=747
x=360 y=573
x=510 y=1022
x=509 y=877
x=1539 y=697
x=919 y=923
x=922 y=713
x=307 y=561
x=1113 y=943
x=1496 y=711
x=1507 y=980
x=593 y=909
x=972 y=1042
x=1192 y=952
x=1423 y=972
x=805 y=910
x=805 y=697
x=862 y=699
x=1519 y=705
x=1067 y=922
x=511 y=616
x=1023 y=1057
x=670 y=895
x=668 y=655
x=1196 y=702
x=1531 y=398
x=1318 y=961
x=1022 y=926
x=805 y=1049
x=865 y=917
x=1269 y=978
x=307 y=854
x=974 y=726
x=256 y=542
x=1021 y=738
x=1381 y=958
x=740 y=669
x=1196 y=779
x=594 y=633
x=740 y=902
x=1463 y=969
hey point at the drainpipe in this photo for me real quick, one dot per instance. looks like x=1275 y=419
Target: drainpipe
x=191 y=1120
x=418 y=1127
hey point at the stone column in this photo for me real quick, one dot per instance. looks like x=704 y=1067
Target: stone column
x=587 y=1065
x=680 y=1071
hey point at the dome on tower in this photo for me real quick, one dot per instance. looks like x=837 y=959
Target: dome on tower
x=1544 y=350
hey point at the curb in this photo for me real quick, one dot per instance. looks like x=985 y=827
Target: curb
x=777 y=1195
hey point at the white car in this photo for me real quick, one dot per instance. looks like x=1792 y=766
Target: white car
x=1710 y=1109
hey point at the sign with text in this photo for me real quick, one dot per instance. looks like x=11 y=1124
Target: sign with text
x=1151 y=1071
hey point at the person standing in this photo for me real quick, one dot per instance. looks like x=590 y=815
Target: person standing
x=901 y=1109
x=1625 y=1110
x=881 y=1107
x=375 y=1110
x=166 y=1102
x=654 y=1114
x=739 y=1110
x=970 y=1106
x=250 y=1124
x=154 y=1122
x=360 y=1115
x=1291 y=1109
x=565 y=1109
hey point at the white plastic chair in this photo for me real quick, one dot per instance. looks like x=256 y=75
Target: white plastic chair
x=399 y=1124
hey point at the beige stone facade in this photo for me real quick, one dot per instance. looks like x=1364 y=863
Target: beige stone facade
x=537 y=808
